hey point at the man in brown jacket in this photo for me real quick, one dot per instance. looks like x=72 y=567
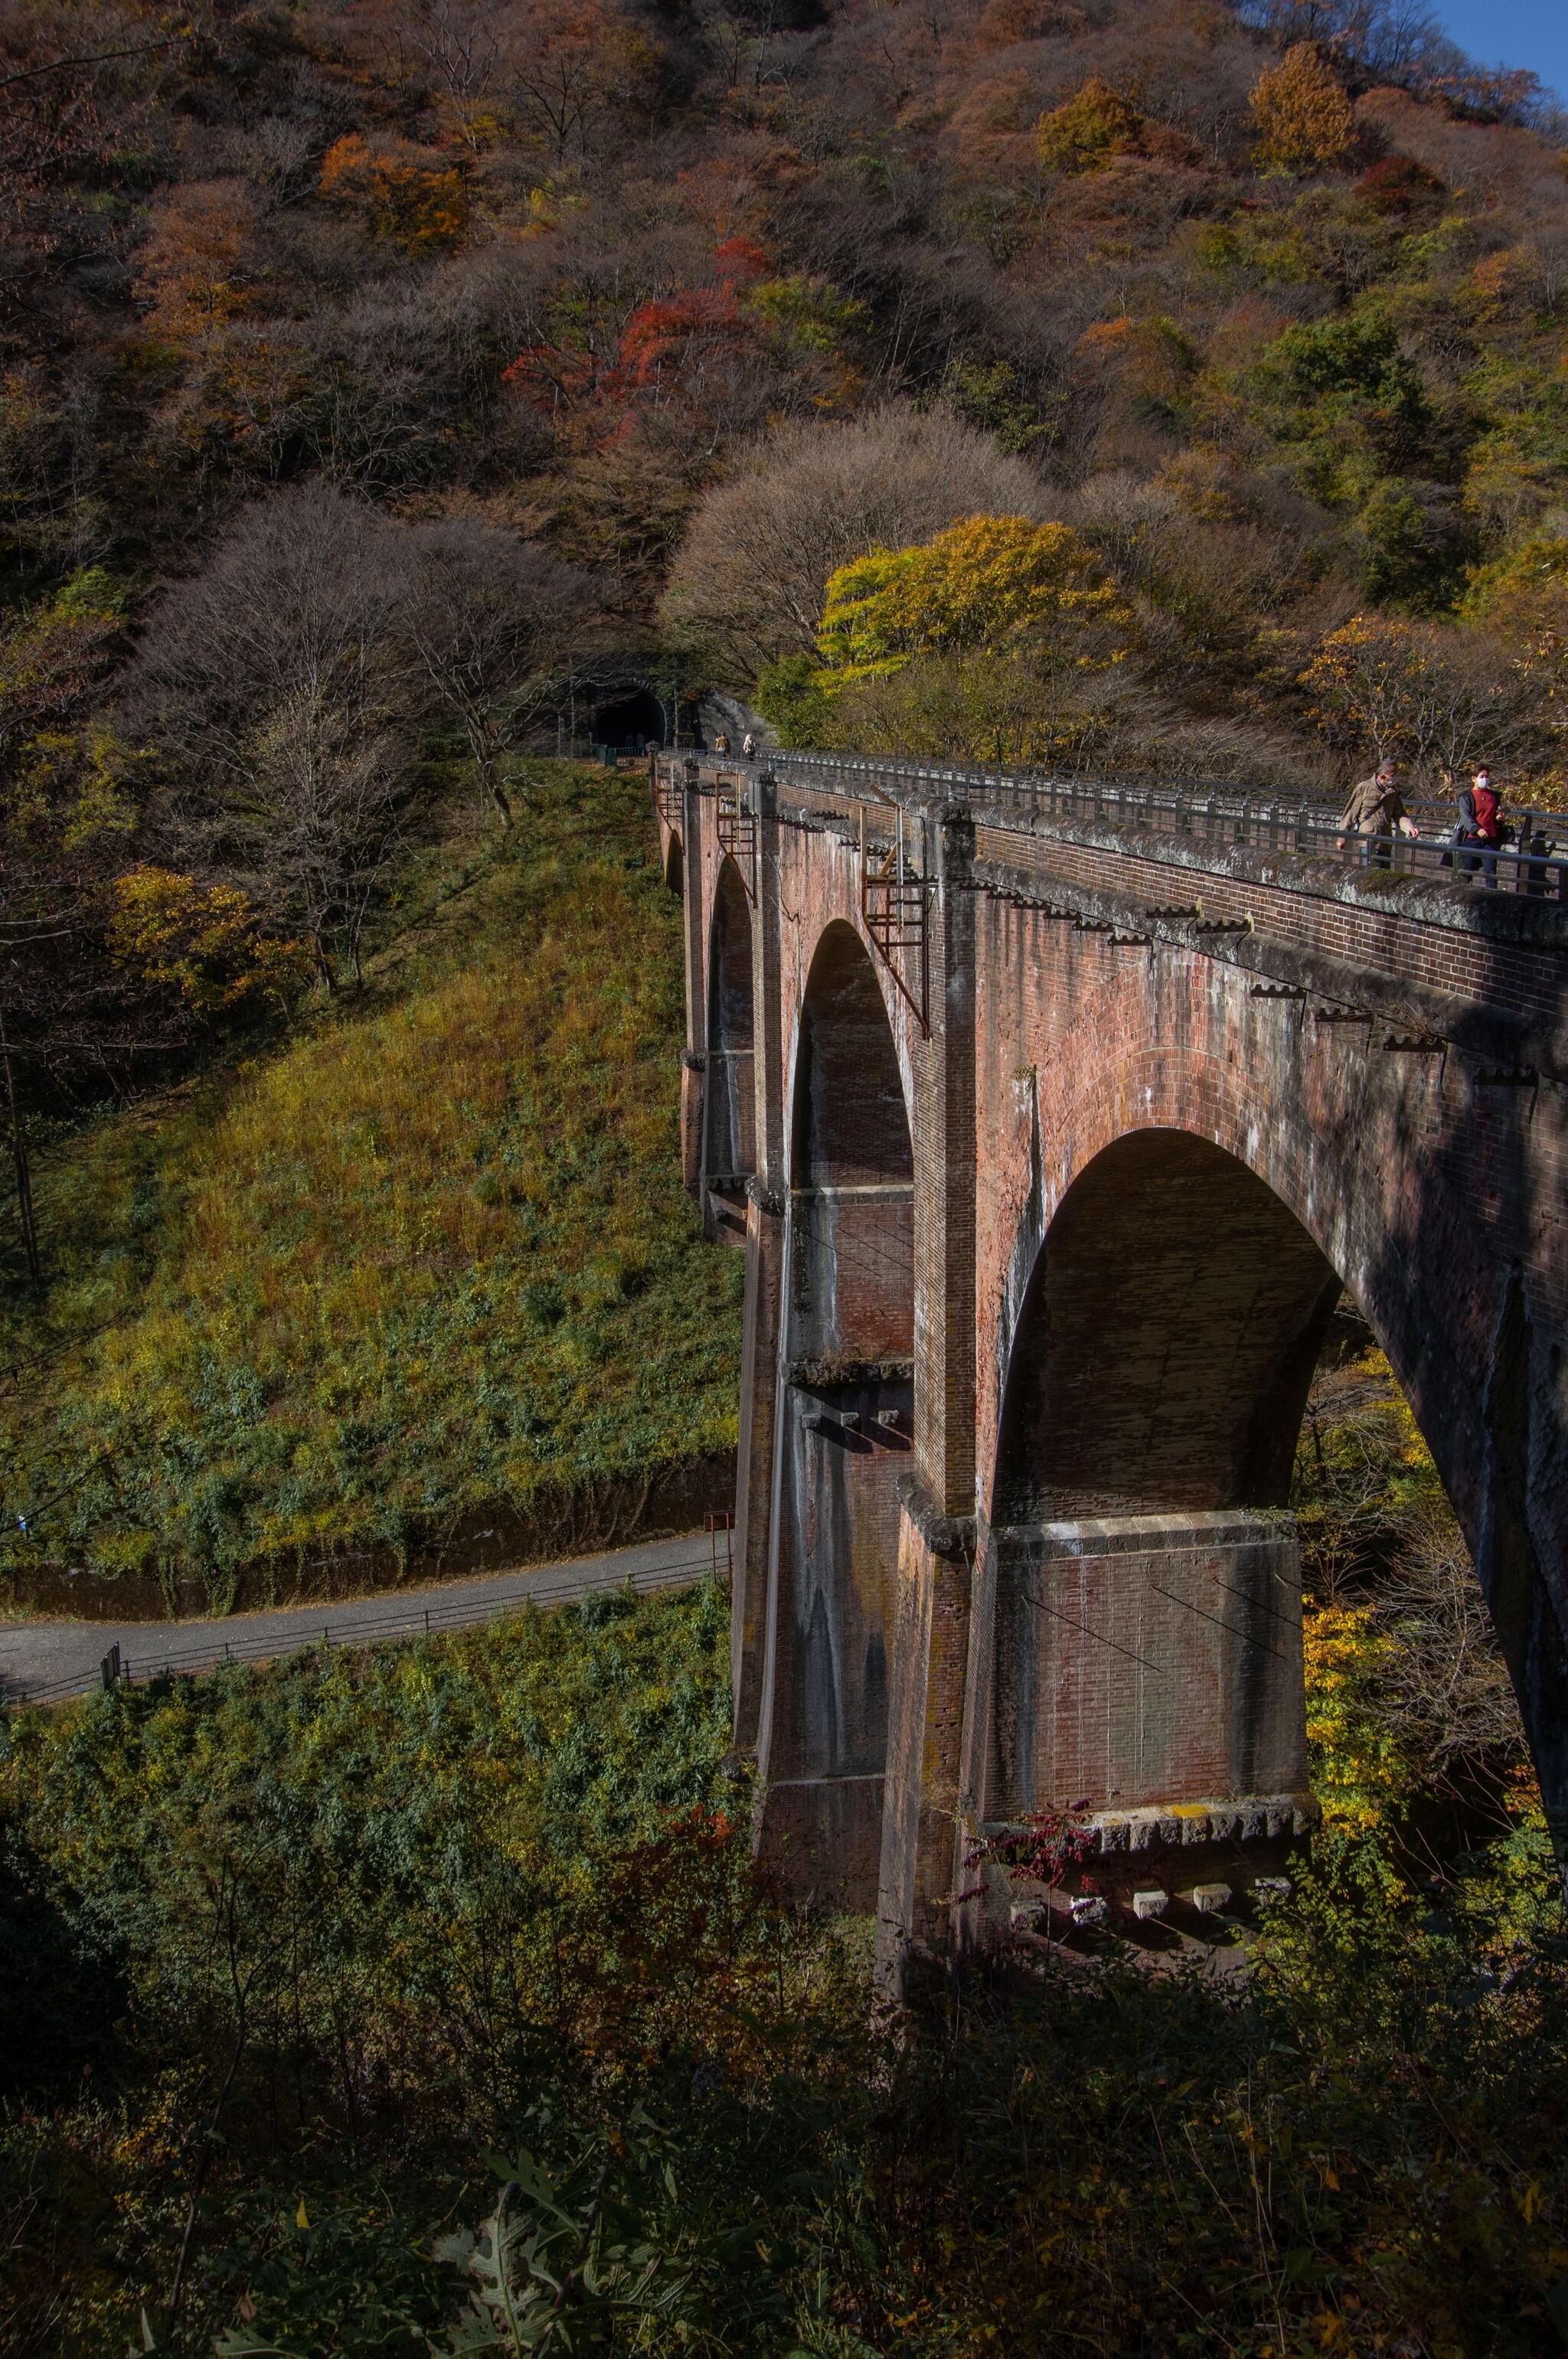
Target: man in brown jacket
x=1375 y=808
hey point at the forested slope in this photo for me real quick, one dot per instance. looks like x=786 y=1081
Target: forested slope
x=1120 y=385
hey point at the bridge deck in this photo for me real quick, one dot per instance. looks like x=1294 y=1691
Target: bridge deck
x=1535 y=864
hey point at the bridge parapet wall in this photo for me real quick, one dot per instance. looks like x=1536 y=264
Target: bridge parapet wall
x=1408 y=946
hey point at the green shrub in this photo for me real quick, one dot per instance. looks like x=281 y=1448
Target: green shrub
x=389 y=1930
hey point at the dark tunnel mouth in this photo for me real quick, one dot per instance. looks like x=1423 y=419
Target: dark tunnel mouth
x=630 y=720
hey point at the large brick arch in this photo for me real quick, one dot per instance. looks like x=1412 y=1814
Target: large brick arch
x=849 y=1117
x=1366 y=1210
x=1308 y=1201
x=675 y=866
x=1176 y=1257
x=1168 y=1337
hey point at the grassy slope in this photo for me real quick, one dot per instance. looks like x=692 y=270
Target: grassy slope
x=431 y=1257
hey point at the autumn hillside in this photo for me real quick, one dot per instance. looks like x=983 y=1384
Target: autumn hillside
x=395 y=393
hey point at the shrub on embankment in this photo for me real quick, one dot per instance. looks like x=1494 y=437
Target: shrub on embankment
x=428 y=1262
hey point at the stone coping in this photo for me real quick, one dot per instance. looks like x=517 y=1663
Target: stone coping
x=837 y=1368
x=1161 y=1826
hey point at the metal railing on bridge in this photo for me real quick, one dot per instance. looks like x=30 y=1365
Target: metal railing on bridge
x=1534 y=863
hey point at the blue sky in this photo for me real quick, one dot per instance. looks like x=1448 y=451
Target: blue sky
x=1532 y=33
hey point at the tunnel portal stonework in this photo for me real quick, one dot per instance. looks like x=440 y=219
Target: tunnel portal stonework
x=1056 y=1142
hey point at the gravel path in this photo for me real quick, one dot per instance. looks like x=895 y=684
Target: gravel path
x=42 y=1661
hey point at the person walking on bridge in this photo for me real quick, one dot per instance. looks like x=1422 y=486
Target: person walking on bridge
x=1375 y=808
x=1480 y=823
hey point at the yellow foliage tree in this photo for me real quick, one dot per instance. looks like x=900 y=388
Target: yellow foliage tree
x=986 y=585
x=1094 y=127
x=203 y=942
x=1360 y=1774
x=1304 y=118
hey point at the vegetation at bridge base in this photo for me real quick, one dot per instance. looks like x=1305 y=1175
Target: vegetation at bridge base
x=425 y=1256
x=1414 y=1729
x=428 y=2001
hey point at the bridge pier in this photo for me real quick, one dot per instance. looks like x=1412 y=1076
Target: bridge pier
x=1143 y=1675
x=695 y=905
x=926 y=1829
x=750 y=1604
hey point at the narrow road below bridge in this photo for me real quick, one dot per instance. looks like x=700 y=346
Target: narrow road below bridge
x=41 y=1662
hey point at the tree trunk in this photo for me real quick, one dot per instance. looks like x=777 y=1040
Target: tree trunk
x=20 y=1158
x=487 y=755
x=500 y=797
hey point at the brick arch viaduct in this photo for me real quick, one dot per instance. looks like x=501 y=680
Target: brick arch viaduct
x=1053 y=1121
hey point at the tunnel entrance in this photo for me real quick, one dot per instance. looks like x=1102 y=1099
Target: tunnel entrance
x=629 y=720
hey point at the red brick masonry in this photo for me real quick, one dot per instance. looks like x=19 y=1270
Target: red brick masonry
x=1045 y=1214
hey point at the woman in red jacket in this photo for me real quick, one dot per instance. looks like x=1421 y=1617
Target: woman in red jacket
x=1480 y=823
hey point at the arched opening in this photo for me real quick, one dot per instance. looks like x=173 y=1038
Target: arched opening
x=629 y=720
x=675 y=868
x=729 y=1115
x=1168 y=1337
x=846 y=1403
x=1138 y=1599
x=1142 y=1600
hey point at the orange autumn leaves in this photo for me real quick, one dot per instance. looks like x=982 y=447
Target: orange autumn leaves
x=414 y=196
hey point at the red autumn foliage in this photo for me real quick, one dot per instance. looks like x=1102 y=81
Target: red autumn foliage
x=654 y=343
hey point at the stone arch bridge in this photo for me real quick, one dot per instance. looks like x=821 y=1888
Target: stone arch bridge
x=1052 y=1119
